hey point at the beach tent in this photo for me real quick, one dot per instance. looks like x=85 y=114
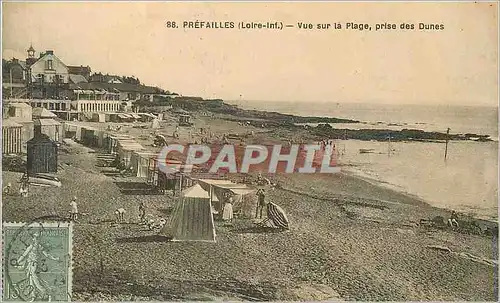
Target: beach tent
x=192 y=218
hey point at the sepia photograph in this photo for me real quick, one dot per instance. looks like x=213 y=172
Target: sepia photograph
x=249 y=151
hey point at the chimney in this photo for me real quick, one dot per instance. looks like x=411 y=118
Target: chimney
x=49 y=52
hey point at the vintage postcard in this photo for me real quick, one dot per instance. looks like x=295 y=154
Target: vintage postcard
x=249 y=151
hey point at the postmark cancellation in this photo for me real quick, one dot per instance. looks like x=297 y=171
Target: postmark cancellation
x=37 y=261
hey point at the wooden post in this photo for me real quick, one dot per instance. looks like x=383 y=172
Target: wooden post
x=389 y=146
x=446 y=146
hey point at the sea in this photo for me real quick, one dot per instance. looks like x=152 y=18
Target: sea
x=467 y=181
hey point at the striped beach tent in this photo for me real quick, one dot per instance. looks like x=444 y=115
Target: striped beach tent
x=277 y=215
x=192 y=218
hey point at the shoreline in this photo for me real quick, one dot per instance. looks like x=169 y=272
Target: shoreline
x=418 y=200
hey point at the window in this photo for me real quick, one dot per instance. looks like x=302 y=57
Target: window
x=49 y=64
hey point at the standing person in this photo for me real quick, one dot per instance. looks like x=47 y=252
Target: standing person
x=142 y=212
x=74 y=210
x=260 y=203
x=23 y=189
x=227 y=214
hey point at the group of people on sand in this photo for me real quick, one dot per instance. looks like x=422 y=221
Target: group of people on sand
x=119 y=215
x=274 y=213
x=453 y=220
x=23 y=187
x=227 y=213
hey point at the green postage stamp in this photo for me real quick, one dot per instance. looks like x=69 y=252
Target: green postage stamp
x=37 y=261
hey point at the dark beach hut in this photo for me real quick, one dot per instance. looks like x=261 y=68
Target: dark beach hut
x=89 y=137
x=42 y=154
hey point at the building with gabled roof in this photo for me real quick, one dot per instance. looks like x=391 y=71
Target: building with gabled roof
x=49 y=69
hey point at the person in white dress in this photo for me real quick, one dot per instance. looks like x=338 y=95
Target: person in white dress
x=227 y=214
x=74 y=209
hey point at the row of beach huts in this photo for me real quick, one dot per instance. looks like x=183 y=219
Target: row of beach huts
x=139 y=161
x=143 y=164
x=123 y=146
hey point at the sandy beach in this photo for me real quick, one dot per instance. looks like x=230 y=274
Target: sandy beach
x=349 y=239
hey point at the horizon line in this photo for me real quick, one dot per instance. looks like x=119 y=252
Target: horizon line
x=361 y=102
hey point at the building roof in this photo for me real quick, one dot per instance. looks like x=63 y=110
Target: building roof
x=41 y=138
x=20 y=120
x=10 y=123
x=181 y=111
x=148 y=115
x=46 y=122
x=13 y=61
x=20 y=105
x=236 y=188
x=41 y=112
x=146 y=154
x=77 y=79
x=49 y=53
x=121 y=87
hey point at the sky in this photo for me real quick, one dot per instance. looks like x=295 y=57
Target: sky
x=456 y=66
